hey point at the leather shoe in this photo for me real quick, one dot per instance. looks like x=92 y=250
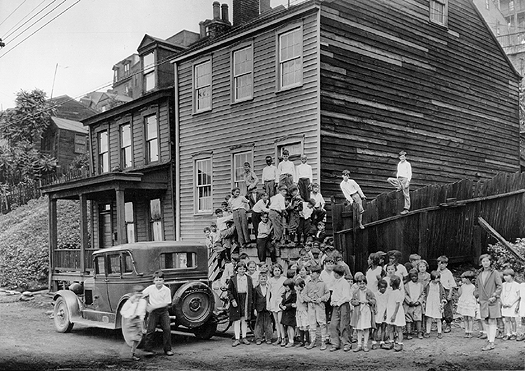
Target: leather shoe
x=169 y=353
x=245 y=341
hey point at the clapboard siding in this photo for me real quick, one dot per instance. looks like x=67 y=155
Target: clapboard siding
x=261 y=124
x=448 y=96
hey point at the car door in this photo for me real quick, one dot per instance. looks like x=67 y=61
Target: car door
x=100 y=291
x=121 y=277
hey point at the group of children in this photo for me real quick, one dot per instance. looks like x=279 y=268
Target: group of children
x=389 y=303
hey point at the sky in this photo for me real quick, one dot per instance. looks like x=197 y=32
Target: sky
x=85 y=41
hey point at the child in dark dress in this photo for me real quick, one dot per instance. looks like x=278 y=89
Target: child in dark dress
x=288 y=306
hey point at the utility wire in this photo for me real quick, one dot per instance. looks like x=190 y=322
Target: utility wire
x=1 y=23
x=38 y=20
x=9 y=33
x=45 y=24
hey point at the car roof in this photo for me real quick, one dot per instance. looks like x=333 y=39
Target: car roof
x=149 y=245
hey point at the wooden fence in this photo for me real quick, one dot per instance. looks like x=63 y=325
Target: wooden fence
x=442 y=221
x=13 y=196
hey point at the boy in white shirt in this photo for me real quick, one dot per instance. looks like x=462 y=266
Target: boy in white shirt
x=353 y=193
x=402 y=179
x=304 y=176
x=286 y=171
x=159 y=297
x=448 y=283
x=340 y=301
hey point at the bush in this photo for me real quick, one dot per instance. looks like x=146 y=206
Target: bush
x=505 y=259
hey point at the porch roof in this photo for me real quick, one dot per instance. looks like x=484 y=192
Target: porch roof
x=110 y=182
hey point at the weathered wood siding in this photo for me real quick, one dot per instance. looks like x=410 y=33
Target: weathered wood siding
x=392 y=80
x=263 y=123
x=66 y=147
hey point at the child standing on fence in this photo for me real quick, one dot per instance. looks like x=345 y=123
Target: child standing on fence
x=353 y=193
x=467 y=302
x=402 y=180
x=510 y=299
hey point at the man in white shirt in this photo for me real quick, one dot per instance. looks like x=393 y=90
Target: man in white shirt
x=353 y=193
x=269 y=177
x=402 y=179
x=304 y=178
x=286 y=170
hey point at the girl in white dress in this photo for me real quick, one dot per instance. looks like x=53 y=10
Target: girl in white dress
x=274 y=299
x=435 y=299
x=467 y=305
x=395 y=314
x=381 y=295
x=510 y=297
x=374 y=272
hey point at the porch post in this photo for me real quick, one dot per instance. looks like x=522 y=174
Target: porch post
x=52 y=208
x=83 y=233
x=121 y=217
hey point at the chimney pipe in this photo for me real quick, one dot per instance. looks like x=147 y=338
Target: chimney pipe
x=202 y=30
x=216 y=10
x=264 y=6
x=224 y=9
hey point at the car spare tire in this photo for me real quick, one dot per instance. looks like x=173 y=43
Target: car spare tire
x=193 y=304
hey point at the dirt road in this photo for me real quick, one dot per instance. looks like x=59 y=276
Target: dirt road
x=28 y=341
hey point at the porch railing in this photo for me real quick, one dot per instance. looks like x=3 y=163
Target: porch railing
x=69 y=259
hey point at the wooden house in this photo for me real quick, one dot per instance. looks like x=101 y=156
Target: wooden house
x=349 y=84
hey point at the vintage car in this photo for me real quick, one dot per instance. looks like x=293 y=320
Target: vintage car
x=97 y=301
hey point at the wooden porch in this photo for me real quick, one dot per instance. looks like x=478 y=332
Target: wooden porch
x=443 y=221
x=76 y=264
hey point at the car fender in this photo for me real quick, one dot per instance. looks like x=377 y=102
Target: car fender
x=123 y=299
x=73 y=304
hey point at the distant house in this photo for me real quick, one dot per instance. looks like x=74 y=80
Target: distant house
x=128 y=193
x=349 y=84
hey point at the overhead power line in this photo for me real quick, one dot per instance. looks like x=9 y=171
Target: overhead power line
x=9 y=33
x=45 y=24
x=10 y=14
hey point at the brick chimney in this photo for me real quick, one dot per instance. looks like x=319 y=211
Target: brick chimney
x=244 y=11
x=219 y=24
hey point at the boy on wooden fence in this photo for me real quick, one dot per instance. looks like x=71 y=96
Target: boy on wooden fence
x=353 y=193
x=402 y=180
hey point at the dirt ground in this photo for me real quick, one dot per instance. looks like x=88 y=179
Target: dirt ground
x=28 y=341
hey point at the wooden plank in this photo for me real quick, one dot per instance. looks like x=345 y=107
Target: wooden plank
x=486 y=226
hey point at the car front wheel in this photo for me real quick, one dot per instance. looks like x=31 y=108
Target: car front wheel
x=61 y=316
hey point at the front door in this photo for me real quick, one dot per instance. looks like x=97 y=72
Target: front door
x=106 y=229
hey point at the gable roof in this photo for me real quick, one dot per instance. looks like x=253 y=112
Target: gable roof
x=71 y=109
x=72 y=125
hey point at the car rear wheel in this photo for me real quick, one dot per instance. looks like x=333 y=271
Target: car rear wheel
x=61 y=316
x=193 y=304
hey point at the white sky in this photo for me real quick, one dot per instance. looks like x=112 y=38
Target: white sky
x=86 y=41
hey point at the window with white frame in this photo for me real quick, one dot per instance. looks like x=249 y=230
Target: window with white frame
x=203 y=177
x=129 y=216
x=148 y=65
x=103 y=152
x=202 y=86
x=290 y=58
x=152 y=139
x=126 y=69
x=243 y=74
x=238 y=164
x=155 y=220
x=295 y=150
x=438 y=11
x=126 y=160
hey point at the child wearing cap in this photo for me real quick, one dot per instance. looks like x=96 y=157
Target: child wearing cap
x=263 y=324
x=510 y=300
x=340 y=312
x=402 y=180
x=316 y=294
x=353 y=193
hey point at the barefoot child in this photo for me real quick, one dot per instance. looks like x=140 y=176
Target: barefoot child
x=435 y=299
x=134 y=310
x=316 y=295
x=380 y=316
x=467 y=302
x=274 y=298
x=395 y=315
x=510 y=297
x=413 y=304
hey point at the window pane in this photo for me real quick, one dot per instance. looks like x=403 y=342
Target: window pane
x=103 y=141
x=125 y=131
x=114 y=264
x=99 y=264
x=149 y=61
x=156 y=229
x=290 y=63
x=151 y=123
x=203 y=187
x=153 y=150
x=130 y=232
x=180 y=260
x=128 y=265
x=155 y=210
x=202 y=86
x=149 y=81
x=128 y=206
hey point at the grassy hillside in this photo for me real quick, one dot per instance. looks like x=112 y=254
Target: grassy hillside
x=24 y=242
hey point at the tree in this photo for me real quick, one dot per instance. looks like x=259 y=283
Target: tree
x=28 y=120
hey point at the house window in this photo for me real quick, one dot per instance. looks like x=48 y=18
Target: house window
x=438 y=11
x=290 y=58
x=487 y=4
x=511 y=6
x=243 y=74
x=126 y=160
x=80 y=143
x=152 y=139
x=203 y=178
x=510 y=21
x=115 y=75
x=126 y=69
x=238 y=164
x=295 y=149
x=202 y=83
x=149 y=71
x=129 y=216
x=103 y=152
x=155 y=220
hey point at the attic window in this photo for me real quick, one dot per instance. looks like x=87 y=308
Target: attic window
x=439 y=12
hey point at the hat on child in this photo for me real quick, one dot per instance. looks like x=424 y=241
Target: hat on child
x=316 y=250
